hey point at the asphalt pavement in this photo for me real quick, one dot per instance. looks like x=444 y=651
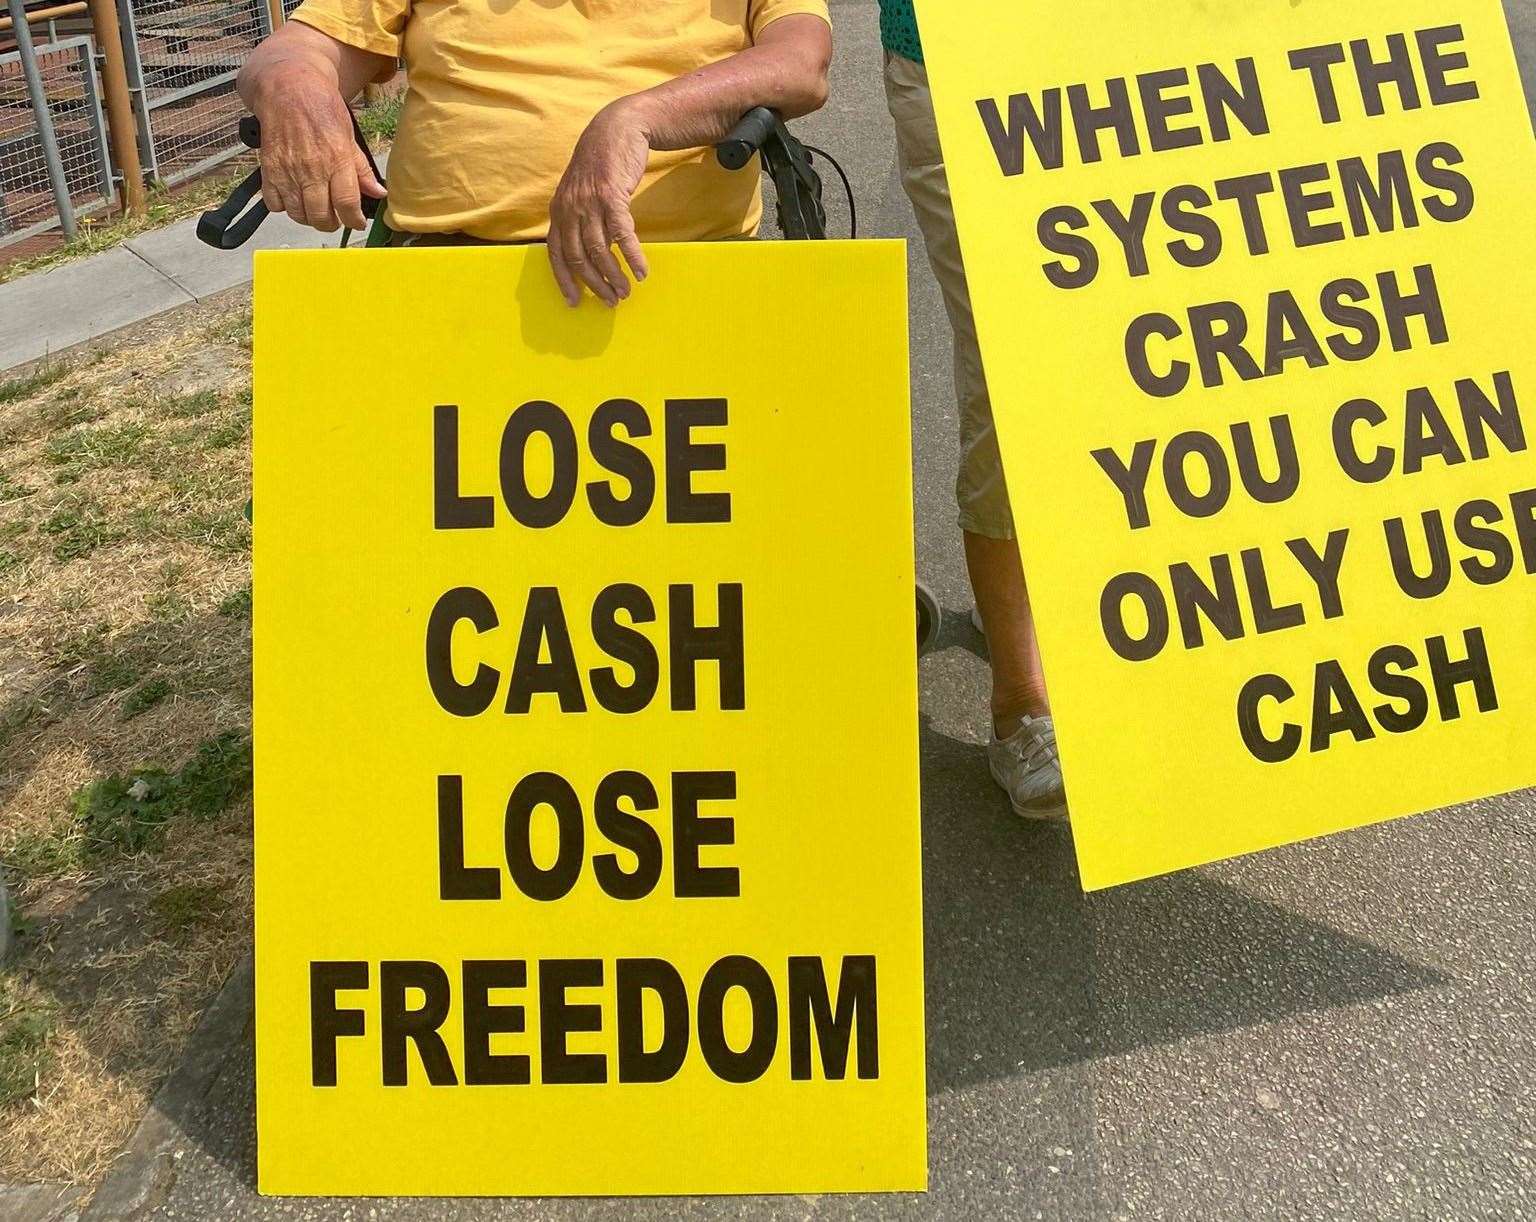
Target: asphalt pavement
x=1344 y=1029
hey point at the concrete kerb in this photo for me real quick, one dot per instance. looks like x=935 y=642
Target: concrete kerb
x=143 y=1173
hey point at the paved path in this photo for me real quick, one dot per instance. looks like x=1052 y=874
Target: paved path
x=1343 y=1029
x=47 y=312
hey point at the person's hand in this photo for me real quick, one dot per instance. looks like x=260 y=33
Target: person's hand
x=311 y=167
x=590 y=214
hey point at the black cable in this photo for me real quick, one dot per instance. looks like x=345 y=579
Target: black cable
x=853 y=211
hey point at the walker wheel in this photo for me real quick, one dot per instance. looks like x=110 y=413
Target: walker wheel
x=930 y=617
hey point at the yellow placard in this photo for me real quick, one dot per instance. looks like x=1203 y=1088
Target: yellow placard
x=587 y=852
x=1253 y=284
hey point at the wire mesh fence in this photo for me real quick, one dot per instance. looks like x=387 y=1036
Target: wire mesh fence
x=27 y=203
x=184 y=55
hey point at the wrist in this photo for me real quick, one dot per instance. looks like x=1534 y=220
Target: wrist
x=282 y=80
x=632 y=115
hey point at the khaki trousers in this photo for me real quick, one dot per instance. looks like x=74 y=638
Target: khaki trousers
x=980 y=488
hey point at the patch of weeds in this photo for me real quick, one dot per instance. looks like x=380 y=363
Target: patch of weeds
x=78 y=529
x=128 y=813
x=169 y=607
x=124 y=813
x=43 y=375
x=235 y=329
x=17 y=716
x=144 y=697
x=25 y=1030
x=10 y=531
x=86 y=645
x=230 y=431
x=12 y=489
x=181 y=909
x=217 y=775
x=149 y=523
x=113 y=673
x=183 y=407
x=73 y=601
x=378 y=120
x=8 y=561
x=40 y=854
x=64 y=413
x=237 y=604
x=106 y=670
x=90 y=449
x=224 y=530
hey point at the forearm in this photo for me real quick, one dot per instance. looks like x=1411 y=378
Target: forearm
x=298 y=55
x=786 y=71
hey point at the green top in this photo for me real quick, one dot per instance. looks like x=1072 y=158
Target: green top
x=898 y=29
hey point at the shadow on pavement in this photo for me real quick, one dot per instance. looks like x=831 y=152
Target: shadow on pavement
x=1025 y=972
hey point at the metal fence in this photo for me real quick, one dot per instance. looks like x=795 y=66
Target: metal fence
x=182 y=59
x=68 y=75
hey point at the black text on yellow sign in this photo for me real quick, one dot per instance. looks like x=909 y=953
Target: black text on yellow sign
x=1280 y=505
x=571 y=818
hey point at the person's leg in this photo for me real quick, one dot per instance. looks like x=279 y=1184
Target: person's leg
x=986 y=516
x=997 y=578
x=1022 y=754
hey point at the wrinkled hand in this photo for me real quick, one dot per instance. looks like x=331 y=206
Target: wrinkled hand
x=590 y=212
x=311 y=167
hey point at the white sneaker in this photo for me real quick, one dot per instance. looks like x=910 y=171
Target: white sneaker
x=1028 y=767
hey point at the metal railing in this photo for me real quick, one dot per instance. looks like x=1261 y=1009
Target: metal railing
x=32 y=191
x=171 y=89
x=182 y=59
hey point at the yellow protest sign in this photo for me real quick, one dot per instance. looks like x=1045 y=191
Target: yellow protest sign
x=587 y=850
x=1253 y=284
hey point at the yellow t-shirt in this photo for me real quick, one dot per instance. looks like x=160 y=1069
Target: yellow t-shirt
x=500 y=91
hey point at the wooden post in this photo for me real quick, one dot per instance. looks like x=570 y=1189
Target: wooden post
x=121 y=128
x=275 y=8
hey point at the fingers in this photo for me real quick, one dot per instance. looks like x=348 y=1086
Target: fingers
x=367 y=183
x=599 y=252
x=581 y=242
x=317 y=207
x=568 y=250
x=346 y=199
x=270 y=195
x=558 y=263
x=621 y=232
x=311 y=168
x=573 y=241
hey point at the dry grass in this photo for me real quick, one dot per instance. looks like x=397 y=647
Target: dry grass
x=124 y=646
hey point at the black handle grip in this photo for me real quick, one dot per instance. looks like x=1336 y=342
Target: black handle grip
x=233 y=222
x=225 y=227
x=746 y=138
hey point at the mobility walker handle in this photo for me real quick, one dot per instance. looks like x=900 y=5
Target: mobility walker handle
x=234 y=221
x=797 y=185
x=800 y=210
